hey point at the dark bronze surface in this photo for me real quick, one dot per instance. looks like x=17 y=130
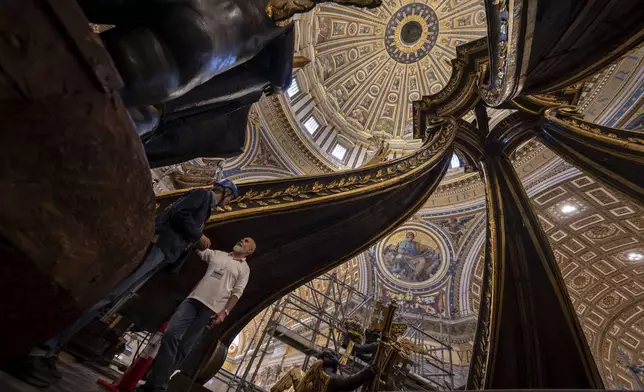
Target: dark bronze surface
x=574 y=39
x=164 y=49
x=219 y=130
x=514 y=130
x=76 y=200
x=211 y=119
x=528 y=335
x=281 y=10
x=539 y=46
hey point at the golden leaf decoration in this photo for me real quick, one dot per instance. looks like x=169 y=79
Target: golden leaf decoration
x=262 y=194
x=292 y=190
x=248 y=195
x=317 y=187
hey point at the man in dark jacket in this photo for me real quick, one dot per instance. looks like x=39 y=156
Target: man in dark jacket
x=178 y=229
x=180 y=226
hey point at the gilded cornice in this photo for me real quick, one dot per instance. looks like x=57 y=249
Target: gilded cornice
x=614 y=156
x=568 y=117
x=538 y=103
x=510 y=27
x=280 y=10
x=460 y=184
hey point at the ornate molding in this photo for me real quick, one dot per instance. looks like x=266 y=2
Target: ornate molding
x=281 y=10
x=459 y=95
x=538 y=103
x=510 y=27
x=614 y=156
x=477 y=378
x=469 y=181
x=568 y=117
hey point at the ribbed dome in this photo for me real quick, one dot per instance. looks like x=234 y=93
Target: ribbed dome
x=373 y=63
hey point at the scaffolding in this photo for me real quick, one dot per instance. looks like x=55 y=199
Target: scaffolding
x=311 y=319
x=435 y=365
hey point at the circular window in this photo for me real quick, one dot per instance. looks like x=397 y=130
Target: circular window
x=411 y=32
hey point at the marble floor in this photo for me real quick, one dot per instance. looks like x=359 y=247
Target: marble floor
x=76 y=378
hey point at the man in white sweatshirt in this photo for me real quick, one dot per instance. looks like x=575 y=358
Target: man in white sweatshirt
x=209 y=303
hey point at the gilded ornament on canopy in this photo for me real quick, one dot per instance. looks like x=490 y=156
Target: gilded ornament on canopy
x=280 y=10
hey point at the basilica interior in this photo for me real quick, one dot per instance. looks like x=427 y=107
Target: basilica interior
x=466 y=170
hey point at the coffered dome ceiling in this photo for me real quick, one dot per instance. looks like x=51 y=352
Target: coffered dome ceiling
x=369 y=65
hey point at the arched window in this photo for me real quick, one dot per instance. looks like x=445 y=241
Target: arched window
x=234 y=345
x=455 y=163
x=339 y=151
x=311 y=125
x=294 y=89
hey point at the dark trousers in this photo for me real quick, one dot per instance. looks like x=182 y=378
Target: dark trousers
x=185 y=328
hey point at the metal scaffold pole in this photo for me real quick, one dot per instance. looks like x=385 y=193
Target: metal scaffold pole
x=250 y=345
x=318 y=322
x=451 y=364
x=315 y=312
x=272 y=322
x=257 y=348
x=299 y=319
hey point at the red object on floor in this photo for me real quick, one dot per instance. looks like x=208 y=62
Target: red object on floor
x=136 y=371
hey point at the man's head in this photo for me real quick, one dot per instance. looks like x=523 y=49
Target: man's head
x=245 y=247
x=410 y=236
x=225 y=190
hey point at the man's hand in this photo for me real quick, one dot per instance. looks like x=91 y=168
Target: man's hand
x=204 y=242
x=218 y=318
